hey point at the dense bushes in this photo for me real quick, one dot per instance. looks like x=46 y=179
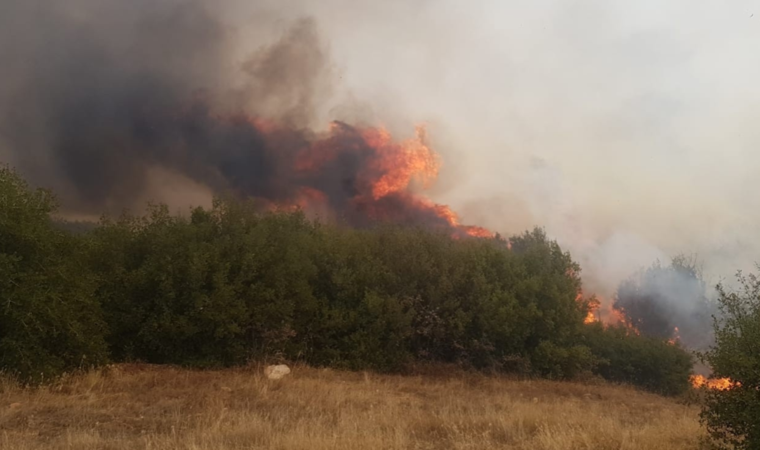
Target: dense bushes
x=224 y=285
x=732 y=416
x=50 y=320
x=228 y=284
x=647 y=362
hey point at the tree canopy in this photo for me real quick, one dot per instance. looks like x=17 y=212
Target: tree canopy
x=228 y=284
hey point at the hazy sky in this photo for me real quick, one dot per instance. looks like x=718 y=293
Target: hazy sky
x=626 y=128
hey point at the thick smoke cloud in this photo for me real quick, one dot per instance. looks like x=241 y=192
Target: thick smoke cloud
x=96 y=95
x=81 y=81
x=104 y=97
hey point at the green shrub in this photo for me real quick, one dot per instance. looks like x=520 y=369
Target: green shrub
x=227 y=284
x=732 y=416
x=647 y=362
x=216 y=288
x=50 y=321
x=552 y=361
x=223 y=285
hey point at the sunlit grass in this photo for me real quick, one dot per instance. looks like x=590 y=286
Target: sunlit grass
x=147 y=407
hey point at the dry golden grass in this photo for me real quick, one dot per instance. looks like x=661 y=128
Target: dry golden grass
x=144 y=407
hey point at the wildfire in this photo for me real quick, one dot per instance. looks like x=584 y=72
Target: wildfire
x=616 y=316
x=676 y=337
x=720 y=384
x=378 y=179
x=401 y=163
x=601 y=311
x=591 y=316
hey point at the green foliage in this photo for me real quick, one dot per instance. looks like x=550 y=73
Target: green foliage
x=229 y=284
x=50 y=321
x=647 y=362
x=732 y=416
x=552 y=361
x=223 y=285
x=216 y=288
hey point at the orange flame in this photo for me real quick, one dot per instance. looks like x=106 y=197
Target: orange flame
x=401 y=163
x=604 y=311
x=393 y=169
x=591 y=316
x=616 y=316
x=719 y=384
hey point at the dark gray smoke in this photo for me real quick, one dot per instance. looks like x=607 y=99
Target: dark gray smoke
x=95 y=93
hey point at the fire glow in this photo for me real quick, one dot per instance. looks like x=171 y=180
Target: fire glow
x=380 y=179
x=605 y=312
x=612 y=316
x=719 y=384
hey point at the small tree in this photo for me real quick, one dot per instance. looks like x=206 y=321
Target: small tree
x=732 y=416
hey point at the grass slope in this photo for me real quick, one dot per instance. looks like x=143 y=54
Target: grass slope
x=145 y=407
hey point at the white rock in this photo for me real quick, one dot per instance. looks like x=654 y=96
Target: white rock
x=276 y=372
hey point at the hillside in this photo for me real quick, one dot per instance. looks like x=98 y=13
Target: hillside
x=149 y=407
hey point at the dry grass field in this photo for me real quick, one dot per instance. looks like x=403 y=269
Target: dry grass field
x=145 y=407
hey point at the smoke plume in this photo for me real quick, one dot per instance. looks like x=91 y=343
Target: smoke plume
x=97 y=94
x=104 y=98
x=669 y=302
